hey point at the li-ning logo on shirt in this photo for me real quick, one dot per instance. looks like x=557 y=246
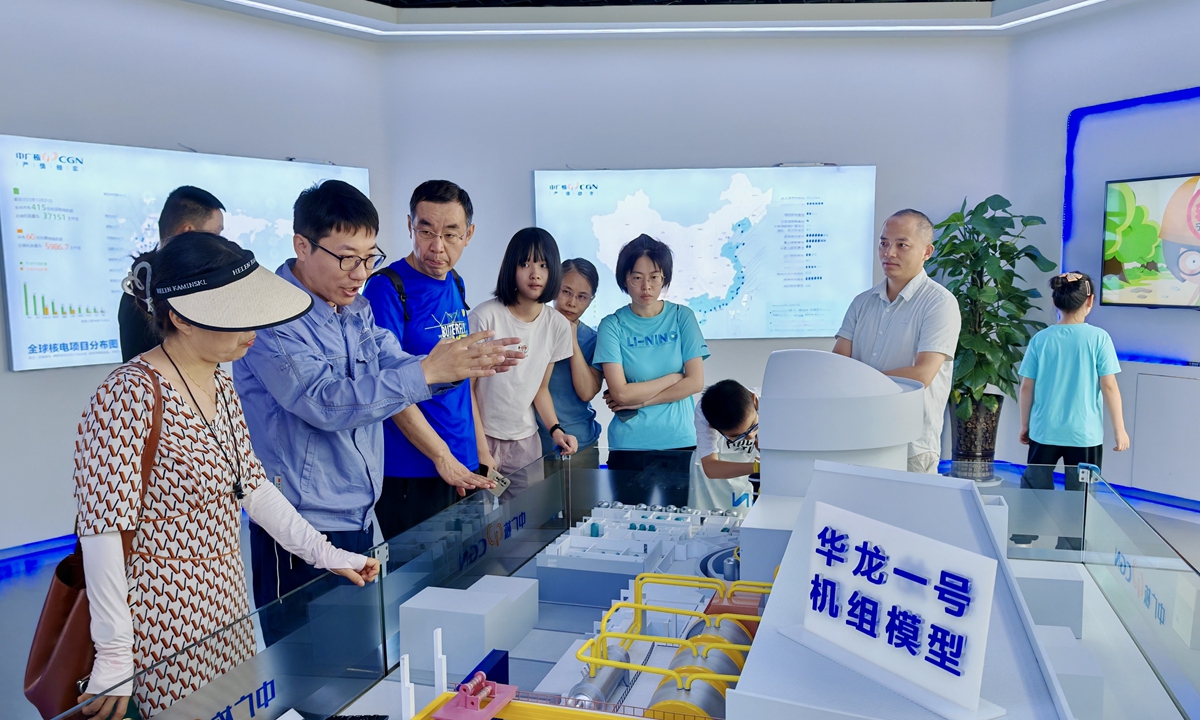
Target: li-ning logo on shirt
x=452 y=326
x=652 y=340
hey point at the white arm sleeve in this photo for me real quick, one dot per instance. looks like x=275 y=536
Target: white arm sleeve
x=112 y=622
x=270 y=509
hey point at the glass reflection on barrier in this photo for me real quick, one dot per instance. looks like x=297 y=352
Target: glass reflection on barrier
x=338 y=640
x=334 y=636
x=479 y=535
x=1152 y=589
x=330 y=651
x=1045 y=508
x=650 y=477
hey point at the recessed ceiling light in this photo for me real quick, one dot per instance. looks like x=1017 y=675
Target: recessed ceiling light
x=982 y=27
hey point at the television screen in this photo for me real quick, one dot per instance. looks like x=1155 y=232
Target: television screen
x=74 y=215
x=1152 y=242
x=758 y=252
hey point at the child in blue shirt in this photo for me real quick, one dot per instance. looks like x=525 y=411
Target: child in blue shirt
x=652 y=355
x=1069 y=375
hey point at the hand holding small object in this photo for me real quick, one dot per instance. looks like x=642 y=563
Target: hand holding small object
x=456 y=475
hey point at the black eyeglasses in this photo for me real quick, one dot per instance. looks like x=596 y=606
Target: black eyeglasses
x=752 y=429
x=350 y=263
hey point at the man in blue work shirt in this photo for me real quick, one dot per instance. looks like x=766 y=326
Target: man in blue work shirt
x=430 y=455
x=316 y=390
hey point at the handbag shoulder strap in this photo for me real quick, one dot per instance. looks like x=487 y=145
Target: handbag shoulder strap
x=149 y=452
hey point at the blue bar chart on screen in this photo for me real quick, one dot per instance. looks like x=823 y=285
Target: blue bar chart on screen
x=74 y=215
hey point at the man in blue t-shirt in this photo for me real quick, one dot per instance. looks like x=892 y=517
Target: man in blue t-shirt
x=430 y=455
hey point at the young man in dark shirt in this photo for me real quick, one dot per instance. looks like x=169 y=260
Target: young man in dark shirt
x=187 y=208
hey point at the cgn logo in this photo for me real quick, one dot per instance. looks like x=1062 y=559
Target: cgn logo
x=493 y=535
x=574 y=188
x=50 y=157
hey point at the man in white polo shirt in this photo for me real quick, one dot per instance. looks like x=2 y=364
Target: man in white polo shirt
x=907 y=326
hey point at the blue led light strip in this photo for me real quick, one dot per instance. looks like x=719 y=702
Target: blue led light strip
x=1152 y=360
x=53 y=545
x=1075 y=119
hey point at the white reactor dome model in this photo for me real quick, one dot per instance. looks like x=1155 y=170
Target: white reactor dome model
x=816 y=405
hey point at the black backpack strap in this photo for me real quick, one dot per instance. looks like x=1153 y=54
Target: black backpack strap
x=398 y=284
x=462 y=289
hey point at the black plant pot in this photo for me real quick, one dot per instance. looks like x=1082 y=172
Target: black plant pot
x=974 y=441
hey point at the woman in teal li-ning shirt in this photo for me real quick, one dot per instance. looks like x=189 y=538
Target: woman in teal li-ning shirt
x=652 y=355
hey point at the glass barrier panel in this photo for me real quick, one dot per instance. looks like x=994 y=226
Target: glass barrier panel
x=479 y=535
x=1152 y=589
x=633 y=477
x=326 y=649
x=1045 y=508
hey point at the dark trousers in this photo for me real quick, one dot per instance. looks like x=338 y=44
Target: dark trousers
x=1039 y=475
x=408 y=502
x=654 y=477
x=277 y=573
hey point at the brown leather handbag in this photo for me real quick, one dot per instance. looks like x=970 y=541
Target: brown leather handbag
x=62 y=653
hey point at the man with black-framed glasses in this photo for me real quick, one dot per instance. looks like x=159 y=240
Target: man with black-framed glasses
x=317 y=390
x=725 y=462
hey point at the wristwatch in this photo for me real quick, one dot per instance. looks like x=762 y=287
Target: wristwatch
x=556 y=427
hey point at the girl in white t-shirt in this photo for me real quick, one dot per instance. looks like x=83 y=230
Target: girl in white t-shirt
x=506 y=432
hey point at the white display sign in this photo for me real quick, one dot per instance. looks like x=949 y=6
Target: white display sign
x=915 y=607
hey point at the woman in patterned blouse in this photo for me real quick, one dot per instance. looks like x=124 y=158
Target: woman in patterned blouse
x=183 y=579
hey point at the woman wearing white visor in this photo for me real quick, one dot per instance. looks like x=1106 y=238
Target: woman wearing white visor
x=179 y=576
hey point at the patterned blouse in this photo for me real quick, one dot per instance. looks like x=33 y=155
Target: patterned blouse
x=186 y=578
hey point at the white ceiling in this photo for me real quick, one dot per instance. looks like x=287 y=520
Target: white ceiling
x=373 y=21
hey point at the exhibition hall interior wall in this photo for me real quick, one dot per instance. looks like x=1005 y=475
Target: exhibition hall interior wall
x=941 y=118
x=160 y=74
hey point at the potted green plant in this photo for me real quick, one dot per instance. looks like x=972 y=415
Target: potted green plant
x=975 y=257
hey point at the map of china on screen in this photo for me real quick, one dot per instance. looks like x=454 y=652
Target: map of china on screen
x=73 y=215
x=758 y=252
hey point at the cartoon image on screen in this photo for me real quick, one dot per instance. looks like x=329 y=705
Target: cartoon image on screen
x=1152 y=242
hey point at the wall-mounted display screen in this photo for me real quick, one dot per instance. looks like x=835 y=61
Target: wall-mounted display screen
x=74 y=214
x=1152 y=242
x=758 y=252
